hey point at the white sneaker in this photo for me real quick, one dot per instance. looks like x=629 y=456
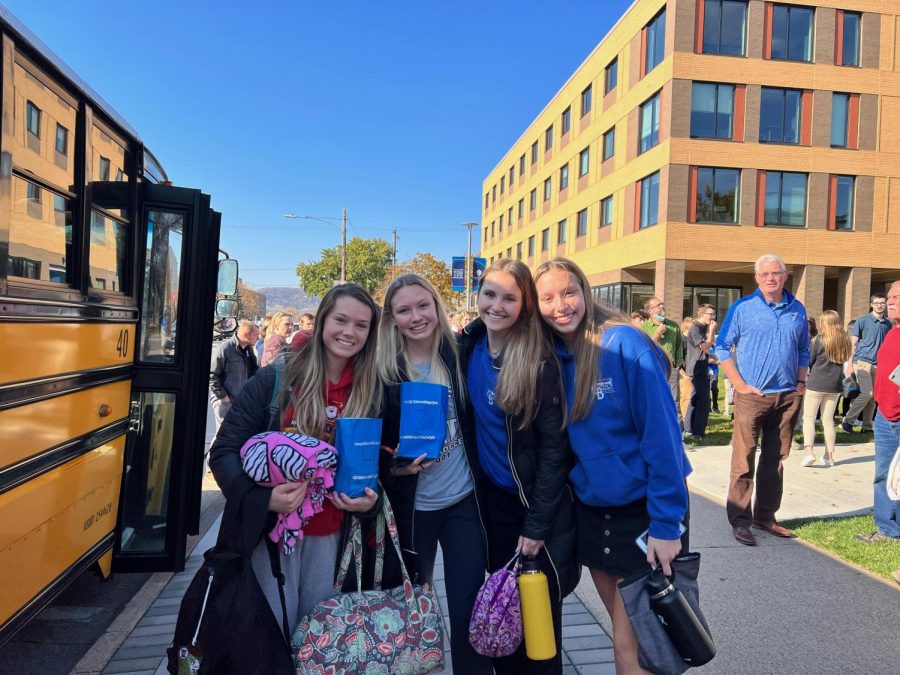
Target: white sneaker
x=808 y=460
x=825 y=462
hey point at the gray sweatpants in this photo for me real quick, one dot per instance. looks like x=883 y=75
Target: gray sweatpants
x=308 y=575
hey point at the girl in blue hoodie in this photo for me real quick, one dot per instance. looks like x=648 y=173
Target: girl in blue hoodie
x=623 y=427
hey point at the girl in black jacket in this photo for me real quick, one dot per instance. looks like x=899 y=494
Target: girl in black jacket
x=434 y=501
x=518 y=427
x=333 y=374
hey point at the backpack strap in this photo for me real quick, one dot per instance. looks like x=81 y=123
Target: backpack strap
x=275 y=401
x=275 y=563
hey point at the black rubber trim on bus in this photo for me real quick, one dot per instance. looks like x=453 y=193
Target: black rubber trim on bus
x=55 y=587
x=48 y=311
x=14 y=395
x=14 y=475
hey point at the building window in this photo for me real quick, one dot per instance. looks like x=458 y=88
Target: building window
x=545 y=239
x=522 y=208
x=502 y=184
x=509 y=217
x=519 y=251
x=586 y=101
x=509 y=252
x=34 y=193
x=548 y=138
x=842 y=202
x=725 y=27
x=566 y=122
x=611 y=76
x=606 y=211
x=33 y=119
x=656 y=42
x=584 y=162
x=564 y=177
x=649 y=124
x=532 y=200
x=493 y=229
x=649 y=214
x=534 y=153
x=485 y=232
x=531 y=246
x=512 y=176
x=792 y=32
x=62 y=139
x=561 y=232
x=581 y=223
x=487 y=199
x=847 y=52
x=712 y=110
x=785 y=198
x=717 y=195
x=104 y=169
x=494 y=194
x=500 y=229
x=779 y=115
x=548 y=188
x=59 y=204
x=840 y=111
x=609 y=144
x=522 y=165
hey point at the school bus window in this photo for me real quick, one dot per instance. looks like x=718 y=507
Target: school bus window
x=159 y=314
x=108 y=252
x=39 y=236
x=33 y=119
x=40 y=143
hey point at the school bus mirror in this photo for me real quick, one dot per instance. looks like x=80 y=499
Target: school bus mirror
x=227 y=279
x=226 y=309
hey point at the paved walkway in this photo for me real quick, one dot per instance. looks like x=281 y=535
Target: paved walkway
x=780 y=607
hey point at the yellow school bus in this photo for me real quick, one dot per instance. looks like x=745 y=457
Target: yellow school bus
x=108 y=281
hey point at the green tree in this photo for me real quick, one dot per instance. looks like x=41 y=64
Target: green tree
x=426 y=266
x=367 y=262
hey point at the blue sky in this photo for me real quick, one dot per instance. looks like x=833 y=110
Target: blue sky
x=395 y=110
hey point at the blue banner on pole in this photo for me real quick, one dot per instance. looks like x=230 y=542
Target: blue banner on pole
x=458 y=274
x=479 y=265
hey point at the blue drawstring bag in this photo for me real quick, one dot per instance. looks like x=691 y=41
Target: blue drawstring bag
x=423 y=419
x=358 y=441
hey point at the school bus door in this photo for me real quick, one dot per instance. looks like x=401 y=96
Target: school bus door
x=176 y=281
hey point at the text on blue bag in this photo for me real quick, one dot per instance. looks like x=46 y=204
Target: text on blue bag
x=358 y=441
x=423 y=419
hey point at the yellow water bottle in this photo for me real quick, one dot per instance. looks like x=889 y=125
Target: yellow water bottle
x=537 y=619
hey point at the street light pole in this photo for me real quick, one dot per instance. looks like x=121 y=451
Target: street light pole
x=343 y=237
x=469 y=227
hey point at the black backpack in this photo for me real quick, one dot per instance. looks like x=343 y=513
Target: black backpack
x=225 y=624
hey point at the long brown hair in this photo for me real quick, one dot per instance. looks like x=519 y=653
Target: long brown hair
x=586 y=346
x=305 y=373
x=838 y=347
x=392 y=345
x=527 y=347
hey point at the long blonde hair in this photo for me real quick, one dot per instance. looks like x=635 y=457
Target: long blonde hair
x=587 y=343
x=391 y=353
x=527 y=347
x=838 y=347
x=271 y=330
x=305 y=373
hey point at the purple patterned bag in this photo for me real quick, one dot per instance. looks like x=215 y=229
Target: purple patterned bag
x=496 y=625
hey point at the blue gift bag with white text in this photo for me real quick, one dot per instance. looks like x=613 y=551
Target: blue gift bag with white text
x=423 y=419
x=358 y=441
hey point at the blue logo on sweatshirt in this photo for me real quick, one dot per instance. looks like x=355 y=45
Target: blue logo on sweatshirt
x=603 y=387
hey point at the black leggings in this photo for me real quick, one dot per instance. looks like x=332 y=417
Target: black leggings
x=462 y=544
x=504 y=516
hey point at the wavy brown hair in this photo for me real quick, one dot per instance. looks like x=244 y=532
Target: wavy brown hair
x=586 y=343
x=305 y=372
x=527 y=347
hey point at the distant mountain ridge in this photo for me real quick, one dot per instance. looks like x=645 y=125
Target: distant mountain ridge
x=279 y=297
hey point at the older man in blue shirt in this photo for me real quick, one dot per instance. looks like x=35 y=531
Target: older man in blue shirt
x=763 y=347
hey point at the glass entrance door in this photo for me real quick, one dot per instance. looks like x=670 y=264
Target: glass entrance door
x=164 y=448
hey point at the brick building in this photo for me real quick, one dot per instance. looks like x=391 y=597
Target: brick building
x=700 y=134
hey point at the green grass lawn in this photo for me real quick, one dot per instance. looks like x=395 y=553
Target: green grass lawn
x=837 y=535
x=718 y=430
